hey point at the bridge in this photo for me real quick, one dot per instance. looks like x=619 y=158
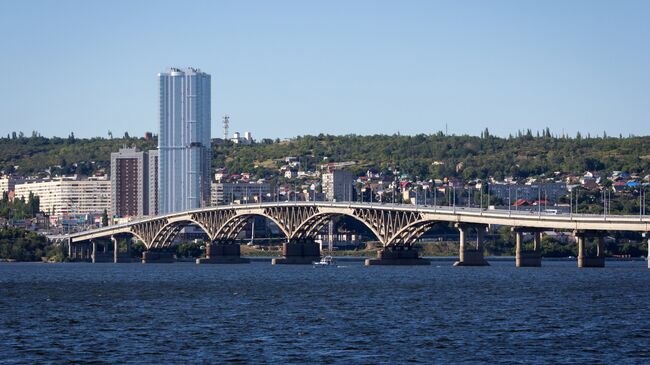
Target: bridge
x=396 y=226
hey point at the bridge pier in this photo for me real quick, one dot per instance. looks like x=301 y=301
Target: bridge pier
x=222 y=253
x=100 y=255
x=298 y=253
x=647 y=237
x=528 y=258
x=584 y=258
x=80 y=251
x=471 y=256
x=93 y=256
x=397 y=255
x=158 y=257
x=121 y=257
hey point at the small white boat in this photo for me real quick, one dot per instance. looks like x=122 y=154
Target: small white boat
x=325 y=261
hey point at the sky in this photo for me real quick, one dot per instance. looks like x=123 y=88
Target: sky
x=286 y=68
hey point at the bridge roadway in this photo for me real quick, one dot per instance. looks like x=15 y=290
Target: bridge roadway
x=396 y=226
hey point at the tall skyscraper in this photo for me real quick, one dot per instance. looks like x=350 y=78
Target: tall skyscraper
x=184 y=160
x=129 y=183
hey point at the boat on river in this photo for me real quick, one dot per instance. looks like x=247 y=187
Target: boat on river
x=325 y=262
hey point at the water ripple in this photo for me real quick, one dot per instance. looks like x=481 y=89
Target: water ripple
x=257 y=313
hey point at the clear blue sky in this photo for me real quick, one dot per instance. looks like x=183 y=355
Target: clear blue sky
x=287 y=68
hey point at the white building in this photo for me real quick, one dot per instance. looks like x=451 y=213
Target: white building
x=337 y=185
x=226 y=193
x=69 y=195
x=290 y=174
x=238 y=139
x=184 y=140
x=8 y=183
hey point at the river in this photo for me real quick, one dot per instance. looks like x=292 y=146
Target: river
x=258 y=313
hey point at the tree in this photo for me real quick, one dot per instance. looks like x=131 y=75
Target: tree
x=105 y=218
x=34 y=203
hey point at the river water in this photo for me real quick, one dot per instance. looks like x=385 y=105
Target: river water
x=258 y=313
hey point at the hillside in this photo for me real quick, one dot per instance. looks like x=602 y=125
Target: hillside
x=431 y=156
x=439 y=156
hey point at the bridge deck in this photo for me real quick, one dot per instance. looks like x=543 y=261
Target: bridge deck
x=513 y=218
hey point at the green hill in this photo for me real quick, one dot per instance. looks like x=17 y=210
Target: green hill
x=431 y=156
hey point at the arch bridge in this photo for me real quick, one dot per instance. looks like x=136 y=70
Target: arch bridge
x=396 y=226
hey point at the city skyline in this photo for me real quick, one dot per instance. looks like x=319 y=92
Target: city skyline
x=291 y=68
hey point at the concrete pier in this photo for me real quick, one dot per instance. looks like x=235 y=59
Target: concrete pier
x=467 y=255
x=121 y=257
x=298 y=253
x=646 y=235
x=219 y=253
x=158 y=257
x=584 y=258
x=528 y=258
x=397 y=255
x=80 y=252
x=100 y=255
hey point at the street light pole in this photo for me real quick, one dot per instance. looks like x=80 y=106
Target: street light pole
x=488 y=201
x=509 y=198
x=453 y=190
x=435 y=195
x=517 y=198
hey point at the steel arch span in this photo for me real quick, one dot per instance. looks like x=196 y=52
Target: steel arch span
x=393 y=224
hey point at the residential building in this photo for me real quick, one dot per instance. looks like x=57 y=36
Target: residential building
x=152 y=194
x=129 y=183
x=547 y=191
x=184 y=140
x=337 y=185
x=238 y=139
x=8 y=183
x=227 y=193
x=69 y=195
x=290 y=174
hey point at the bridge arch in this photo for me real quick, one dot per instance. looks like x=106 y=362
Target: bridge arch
x=231 y=227
x=312 y=225
x=132 y=234
x=411 y=232
x=166 y=234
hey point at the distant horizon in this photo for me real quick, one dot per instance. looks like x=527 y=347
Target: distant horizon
x=258 y=139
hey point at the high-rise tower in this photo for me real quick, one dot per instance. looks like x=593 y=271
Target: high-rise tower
x=184 y=140
x=129 y=183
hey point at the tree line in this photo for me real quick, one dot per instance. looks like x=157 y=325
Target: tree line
x=423 y=155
